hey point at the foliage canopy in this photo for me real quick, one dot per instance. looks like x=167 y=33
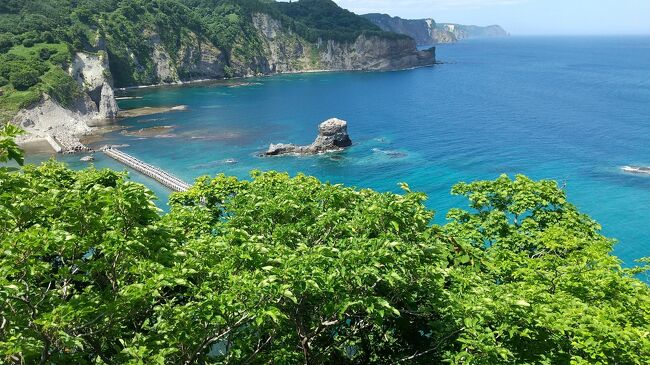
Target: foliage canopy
x=290 y=270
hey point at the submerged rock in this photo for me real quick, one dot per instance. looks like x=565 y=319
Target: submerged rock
x=332 y=136
x=636 y=169
x=390 y=153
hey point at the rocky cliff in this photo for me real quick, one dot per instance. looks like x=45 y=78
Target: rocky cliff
x=278 y=50
x=193 y=58
x=284 y=51
x=92 y=73
x=460 y=31
x=61 y=125
x=427 y=32
x=421 y=30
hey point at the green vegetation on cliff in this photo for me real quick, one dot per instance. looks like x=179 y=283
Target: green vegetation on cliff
x=130 y=30
x=281 y=270
x=27 y=72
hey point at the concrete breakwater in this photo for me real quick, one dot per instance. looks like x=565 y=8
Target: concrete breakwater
x=164 y=178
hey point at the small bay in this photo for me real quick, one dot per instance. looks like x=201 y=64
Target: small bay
x=572 y=109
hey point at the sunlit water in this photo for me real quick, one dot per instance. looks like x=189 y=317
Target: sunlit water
x=570 y=109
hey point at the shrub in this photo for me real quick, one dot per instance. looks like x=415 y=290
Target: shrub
x=44 y=54
x=27 y=42
x=6 y=42
x=25 y=78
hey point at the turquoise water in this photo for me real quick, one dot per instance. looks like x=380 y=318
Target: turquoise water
x=570 y=109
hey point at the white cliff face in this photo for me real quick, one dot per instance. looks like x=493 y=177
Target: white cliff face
x=47 y=119
x=51 y=121
x=375 y=53
x=283 y=50
x=92 y=72
x=422 y=30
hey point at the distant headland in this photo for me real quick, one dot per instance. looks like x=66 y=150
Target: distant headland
x=427 y=32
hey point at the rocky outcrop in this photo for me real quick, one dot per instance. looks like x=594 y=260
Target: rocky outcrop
x=444 y=36
x=421 y=30
x=636 y=169
x=92 y=72
x=197 y=58
x=108 y=108
x=61 y=125
x=460 y=31
x=426 y=32
x=332 y=136
x=286 y=52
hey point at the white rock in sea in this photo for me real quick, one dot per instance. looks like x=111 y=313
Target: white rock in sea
x=636 y=169
x=332 y=136
x=87 y=158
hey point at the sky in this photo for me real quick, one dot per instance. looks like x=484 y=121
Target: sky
x=522 y=17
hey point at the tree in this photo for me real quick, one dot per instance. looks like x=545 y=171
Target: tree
x=6 y=42
x=9 y=150
x=538 y=283
x=288 y=270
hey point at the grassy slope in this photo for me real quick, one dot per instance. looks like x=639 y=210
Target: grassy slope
x=52 y=77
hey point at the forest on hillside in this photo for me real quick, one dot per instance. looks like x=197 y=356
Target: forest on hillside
x=38 y=38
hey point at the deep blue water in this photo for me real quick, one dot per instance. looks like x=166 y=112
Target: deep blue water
x=570 y=109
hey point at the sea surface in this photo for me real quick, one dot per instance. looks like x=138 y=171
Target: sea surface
x=572 y=109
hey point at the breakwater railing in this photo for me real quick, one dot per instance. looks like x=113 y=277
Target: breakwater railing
x=166 y=179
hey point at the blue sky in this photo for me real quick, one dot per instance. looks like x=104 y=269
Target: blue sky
x=523 y=16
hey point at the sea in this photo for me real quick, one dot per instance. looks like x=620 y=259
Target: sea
x=572 y=109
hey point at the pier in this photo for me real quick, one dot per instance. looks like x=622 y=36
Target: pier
x=166 y=179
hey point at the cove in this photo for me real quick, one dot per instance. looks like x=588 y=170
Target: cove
x=571 y=109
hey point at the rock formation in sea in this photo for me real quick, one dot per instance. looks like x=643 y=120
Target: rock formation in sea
x=332 y=136
x=637 y=169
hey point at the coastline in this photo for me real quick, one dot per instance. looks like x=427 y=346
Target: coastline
x=225 y=80
x=97 y=130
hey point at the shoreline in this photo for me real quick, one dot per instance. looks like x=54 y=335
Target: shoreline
x=225 y=80
x=97 y=131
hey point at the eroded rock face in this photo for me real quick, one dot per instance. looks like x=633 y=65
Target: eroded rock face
x=92 y=72
x=285 y=51
x=332 y=136
x=108 y=108
x=196 y=59
x=332 y=133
